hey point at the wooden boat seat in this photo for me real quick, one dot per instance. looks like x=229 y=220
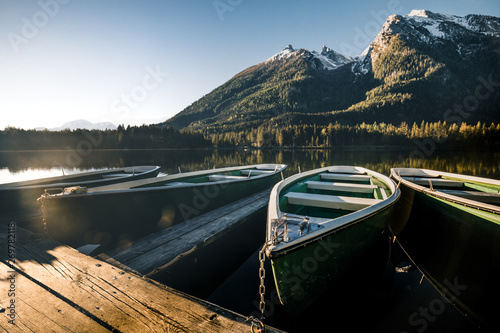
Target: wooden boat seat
x=435 y=182
x=135 y=171
x=485 y=197
x=179 y=184
x=344 y=187
x=116 y=175
x=344 y=176
x=329 y=201
x=347 y=171
x=382 y=192
x=255 y=172
x=217 y=178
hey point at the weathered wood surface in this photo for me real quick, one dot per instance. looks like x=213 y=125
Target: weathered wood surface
x=37 y=310
x=157 y=251
x=59 y=289
x=25 y=216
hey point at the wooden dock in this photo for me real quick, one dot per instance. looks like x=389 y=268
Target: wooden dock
x=46 y=286
x=197 y=254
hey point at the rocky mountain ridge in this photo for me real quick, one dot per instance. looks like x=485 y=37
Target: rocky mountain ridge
x=419 y=67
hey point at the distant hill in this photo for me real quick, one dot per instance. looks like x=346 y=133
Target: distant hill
x=84 y=124
x=422 y=66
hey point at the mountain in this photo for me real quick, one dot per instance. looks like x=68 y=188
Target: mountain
x=84 y=124
x=327 y=59
x=422 y=66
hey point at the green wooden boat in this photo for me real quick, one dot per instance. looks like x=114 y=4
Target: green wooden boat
x=137 y=208
x=23 y=195
x=320 y=223
x=450 y=228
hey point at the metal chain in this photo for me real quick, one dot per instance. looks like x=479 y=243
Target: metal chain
x=262 y=275
x=41 y=201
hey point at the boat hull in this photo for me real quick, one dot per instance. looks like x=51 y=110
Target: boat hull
x=452 y=237
x=23 y=195
x=457 y=248
x=125 y=215
x=313 y=242
x=305 y=273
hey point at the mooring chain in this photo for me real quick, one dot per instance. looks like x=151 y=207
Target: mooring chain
x=257 y=324
x=262 y=275
x=41 y=201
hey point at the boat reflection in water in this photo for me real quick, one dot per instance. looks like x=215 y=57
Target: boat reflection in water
x=452 y=234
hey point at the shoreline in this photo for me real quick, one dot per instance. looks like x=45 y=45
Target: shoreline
x=347 y=148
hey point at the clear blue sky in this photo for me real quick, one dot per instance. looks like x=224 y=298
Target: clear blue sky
x=134 y=62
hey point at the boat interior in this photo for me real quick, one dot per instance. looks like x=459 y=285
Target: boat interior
x=87 y=177
x=222 y=177
x=333 y=194
x=194 y=178
x=126 y=172
x=464 y=188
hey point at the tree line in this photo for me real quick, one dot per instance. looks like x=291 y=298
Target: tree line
x=377 y=134
x=333 y=135
x=135 y=137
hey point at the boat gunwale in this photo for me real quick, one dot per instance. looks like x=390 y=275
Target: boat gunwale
x=446 y=196
x=277 y=250
x=53 y=182
x=161 y=180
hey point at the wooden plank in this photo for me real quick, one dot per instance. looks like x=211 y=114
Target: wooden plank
x=438 y=182
x=492 y=198
x=216 y=178
x=116 y=175
x=382 y=191
x=180 y=184
x=343 y=187
x=255 y=172
x=411 y=172
x=116 y=300
x=488 y=188
x=347 y=170
x=329 y=201
x=157 y=251
x=343 y=176
x=37 y=310
x=28 y=215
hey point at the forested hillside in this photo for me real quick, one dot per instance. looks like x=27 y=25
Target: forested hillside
x=86 y=141
x=420 y=67
x=440 y=135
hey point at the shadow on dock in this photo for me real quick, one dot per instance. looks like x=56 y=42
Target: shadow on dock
x=53 y=287
x=213 y=257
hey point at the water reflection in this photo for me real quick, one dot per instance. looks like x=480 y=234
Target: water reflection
x=484 y=164
x=387 y=313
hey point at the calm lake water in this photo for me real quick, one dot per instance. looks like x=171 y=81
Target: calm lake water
x=381 y=294
x=28 y=165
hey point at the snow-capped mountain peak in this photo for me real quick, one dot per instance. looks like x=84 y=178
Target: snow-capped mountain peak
x=335 y=57
x=419 y=12
x=424 y=26
x=419 y=27
x=326 y=59
x=447 y=26
x=84 y=124
x=287 y=52
x=431 y=15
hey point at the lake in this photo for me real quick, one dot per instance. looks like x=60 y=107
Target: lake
x=383 y=293
x=34 y=164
